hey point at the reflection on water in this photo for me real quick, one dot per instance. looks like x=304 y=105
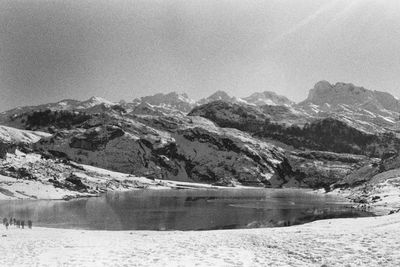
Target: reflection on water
x=182 y=209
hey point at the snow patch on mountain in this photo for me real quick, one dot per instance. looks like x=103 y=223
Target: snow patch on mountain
x=92 y=102
x=17 y=136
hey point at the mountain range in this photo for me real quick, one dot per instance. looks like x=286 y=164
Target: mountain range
x=261 y=140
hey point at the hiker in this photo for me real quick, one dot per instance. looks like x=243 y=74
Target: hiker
x=22 y=224
x=29 y=224
x=11 y=221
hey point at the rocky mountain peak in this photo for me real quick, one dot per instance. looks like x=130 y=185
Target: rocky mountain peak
x=349 y=94
x=371 y=111
x=219 y=96
x=268 y=98
x=94 y=101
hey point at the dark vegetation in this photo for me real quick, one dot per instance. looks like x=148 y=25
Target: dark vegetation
x=6 y=148
x=72 y=183
x=60 y=119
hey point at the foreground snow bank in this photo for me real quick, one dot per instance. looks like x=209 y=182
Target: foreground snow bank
x=373 y=241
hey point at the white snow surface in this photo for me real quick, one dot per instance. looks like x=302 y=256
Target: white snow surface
x=372 y=241
x=94 y=101
x=13 y=135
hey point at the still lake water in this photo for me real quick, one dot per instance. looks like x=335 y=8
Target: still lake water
x=183 y=209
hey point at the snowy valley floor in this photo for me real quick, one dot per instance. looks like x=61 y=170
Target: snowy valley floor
x=373 y=241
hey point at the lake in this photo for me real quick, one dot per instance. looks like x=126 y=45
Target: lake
x=183 y=209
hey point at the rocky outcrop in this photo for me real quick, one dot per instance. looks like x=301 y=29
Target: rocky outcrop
x=96 y=138
x=75 y=183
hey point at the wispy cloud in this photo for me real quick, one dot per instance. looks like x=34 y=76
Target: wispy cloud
x=305 y=22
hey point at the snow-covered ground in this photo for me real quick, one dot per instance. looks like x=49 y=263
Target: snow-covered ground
x=17 y=136
x=373 y=241
x=97 y=179
x=381 y=195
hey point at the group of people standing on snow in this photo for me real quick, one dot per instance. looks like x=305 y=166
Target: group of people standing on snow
x=17 y=223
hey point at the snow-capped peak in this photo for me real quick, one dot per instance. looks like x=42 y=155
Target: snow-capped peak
x=219 y=96
x=268 y=98
x=99 y=100
x=94 y=101
x=169 y=101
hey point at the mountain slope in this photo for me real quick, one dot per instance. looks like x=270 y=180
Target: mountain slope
x=168 y=147
x=225 y=141
x=327 y=134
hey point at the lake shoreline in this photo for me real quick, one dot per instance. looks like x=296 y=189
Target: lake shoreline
x=187 y=210
x=380 y=200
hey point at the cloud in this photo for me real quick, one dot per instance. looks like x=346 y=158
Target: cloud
x=306 y=21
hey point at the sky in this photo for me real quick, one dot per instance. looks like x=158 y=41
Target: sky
x=53 y=50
